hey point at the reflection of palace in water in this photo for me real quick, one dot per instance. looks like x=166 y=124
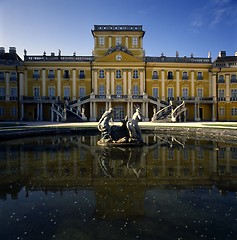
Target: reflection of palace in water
x=61 y=163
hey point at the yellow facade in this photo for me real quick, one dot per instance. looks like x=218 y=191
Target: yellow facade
x=118 y=75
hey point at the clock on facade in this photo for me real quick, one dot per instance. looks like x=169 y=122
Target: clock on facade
x=118 y=57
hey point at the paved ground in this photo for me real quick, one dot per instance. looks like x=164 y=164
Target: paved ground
x=228 y=125
x=11 y=130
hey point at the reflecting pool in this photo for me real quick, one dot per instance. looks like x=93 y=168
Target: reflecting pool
x=67 y=187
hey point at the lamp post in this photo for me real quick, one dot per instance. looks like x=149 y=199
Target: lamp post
x=217 y=90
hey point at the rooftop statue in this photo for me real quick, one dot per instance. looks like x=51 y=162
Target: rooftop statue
x=128 y=134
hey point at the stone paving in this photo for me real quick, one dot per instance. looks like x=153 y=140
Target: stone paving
x=214 y=129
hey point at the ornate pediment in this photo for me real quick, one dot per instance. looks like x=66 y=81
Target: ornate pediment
x=118 y=48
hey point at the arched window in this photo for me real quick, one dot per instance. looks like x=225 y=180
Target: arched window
x=118 y=74
x=233 y=78
x=135 y=74
x=51 y=74
x=185 y=76
x=155 y=75
x=135 y=90
x=101 y=90
x=170 y=75
x=119 y=90
x=101 y=74
x=82 y=74
x=118 y=112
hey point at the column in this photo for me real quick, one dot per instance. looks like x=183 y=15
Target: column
x=108 y=90
x=177 y=84
x=192 y=84
x=213 y=113
x=21 y=84
x=74 y=84
x=59 y=82
x=214 y=87
x=22 y=111
x=128 y=109
x=227 y=91
x=110 y=42
x=7 y=86
x=112 y=82
x=38 y=112
x=141 y=82
x=95 y=82
x=129 y=82
x=126 y=42
x=163 y=84
x=43 y=83
x=25 y=83
x=41 y=111
x=124 y=82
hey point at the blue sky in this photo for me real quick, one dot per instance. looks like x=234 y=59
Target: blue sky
x=186 y=26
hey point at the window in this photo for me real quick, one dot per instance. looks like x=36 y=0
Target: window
x=101 y=41
x=118 y=112
x=101 y=74
x=170 y=93
x=199 y=76
x=66 y=92
x=232 y=79
x=221 y=95
x=222 y=111
x=66 y=74
x=13 y=111
x=233 y=111
x=13 y=76
x=134 y=41
x=2 y=77
x=36 y=74
x=221 y=79
x=82 y=74
x=170 y=75
x=155 y=92
x=185 y=76
x=36 y=92
x=118 y=41
x=2 y=93
x=51 y=74
x=200 y=92
x=82 y=92
x=155 y=75
x=185 y=93
x=233 y=94
x=135 y=90
x=13 y=93
x=102 y=90
x=2 y=111
x=51 y=91
x=135 y=74
x=118 y=74
x=119 y=90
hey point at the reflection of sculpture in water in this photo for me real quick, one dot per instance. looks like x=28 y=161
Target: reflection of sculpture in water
x=128 y=133
x=131 y=158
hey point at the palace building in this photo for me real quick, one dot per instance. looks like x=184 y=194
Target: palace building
x=118 y=74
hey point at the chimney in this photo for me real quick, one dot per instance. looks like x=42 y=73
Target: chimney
x=12 y=50
x=2 y=50
x=222 y=54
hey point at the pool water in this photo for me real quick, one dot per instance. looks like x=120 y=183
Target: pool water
x=67 y=187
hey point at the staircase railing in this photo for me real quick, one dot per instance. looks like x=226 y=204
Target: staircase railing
x=163 y=113
x=59 y=111
x=177 y=111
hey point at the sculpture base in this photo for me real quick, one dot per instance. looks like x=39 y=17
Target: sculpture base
x=123 y=142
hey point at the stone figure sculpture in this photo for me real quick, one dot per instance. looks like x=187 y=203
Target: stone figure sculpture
x=129 y=133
